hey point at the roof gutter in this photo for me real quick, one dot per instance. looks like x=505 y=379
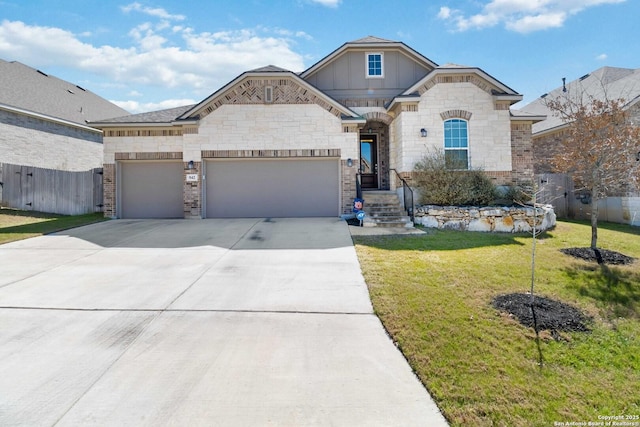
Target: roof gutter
x=48 y=118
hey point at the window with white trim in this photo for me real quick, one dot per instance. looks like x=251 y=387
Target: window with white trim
x=375 y=64
x=456 y=144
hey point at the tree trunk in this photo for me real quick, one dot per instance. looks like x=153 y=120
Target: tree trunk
x=594 y=223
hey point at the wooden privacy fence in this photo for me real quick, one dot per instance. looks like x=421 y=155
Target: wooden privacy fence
x=50 y=190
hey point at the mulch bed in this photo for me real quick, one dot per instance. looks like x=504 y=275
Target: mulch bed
x=601 y=256
x=551 y=315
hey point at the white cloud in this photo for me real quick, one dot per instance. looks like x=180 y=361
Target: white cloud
x=328 y=3
x=602 y=57
x=522 y=16
x=159 y=56
x=156 y=12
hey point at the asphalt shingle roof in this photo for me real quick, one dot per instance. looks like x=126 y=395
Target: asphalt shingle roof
x=605 y=82
x=29 y=89
x=161 y=116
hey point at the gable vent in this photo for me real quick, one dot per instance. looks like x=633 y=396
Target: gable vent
x=268 y=94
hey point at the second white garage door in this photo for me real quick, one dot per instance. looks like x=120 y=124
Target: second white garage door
x=272 y=188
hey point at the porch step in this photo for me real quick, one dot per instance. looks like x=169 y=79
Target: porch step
x=383 y=209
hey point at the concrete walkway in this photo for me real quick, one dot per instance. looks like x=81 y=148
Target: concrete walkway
x=212 y=322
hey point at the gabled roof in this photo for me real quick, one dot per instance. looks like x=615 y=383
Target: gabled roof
x=270 y=72
x=603 y=83
x=369 y=42
x=498 y=88
x=31 y=90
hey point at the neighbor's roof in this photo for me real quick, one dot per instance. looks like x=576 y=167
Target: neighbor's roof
x=603 y=83
x=26 y=88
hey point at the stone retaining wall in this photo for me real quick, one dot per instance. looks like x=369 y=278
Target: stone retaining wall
x=487 y=219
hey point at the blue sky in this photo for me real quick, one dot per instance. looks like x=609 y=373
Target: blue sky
x=153 y=54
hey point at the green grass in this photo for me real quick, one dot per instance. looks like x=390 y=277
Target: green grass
x=18 y=225
x=433 y=294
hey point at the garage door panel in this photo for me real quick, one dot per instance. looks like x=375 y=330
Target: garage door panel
x=151 y=190
x=272 y=188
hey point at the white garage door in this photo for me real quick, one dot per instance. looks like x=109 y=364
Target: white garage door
x=272 y=188
x=151 y=189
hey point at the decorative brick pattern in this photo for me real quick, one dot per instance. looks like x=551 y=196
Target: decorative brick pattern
x=349 y=191
x=456 y=114
x=412 y=108
x=174 y=155
x=365 y=102
x=378 y=116
x=257 y=154
x=460 y=78
x=145 y=132
x=285 y=91
x=109 y=190
x=192 y=192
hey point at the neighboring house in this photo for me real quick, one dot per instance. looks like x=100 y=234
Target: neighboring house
x=43 y=124
x=43 y=120
x=603 y=83
x=274 y=143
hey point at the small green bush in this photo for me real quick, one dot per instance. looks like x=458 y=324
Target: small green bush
x=441 y=185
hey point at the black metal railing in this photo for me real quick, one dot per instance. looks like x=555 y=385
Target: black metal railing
x=407 y=193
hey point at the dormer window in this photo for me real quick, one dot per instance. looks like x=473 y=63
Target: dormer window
x=375 y=65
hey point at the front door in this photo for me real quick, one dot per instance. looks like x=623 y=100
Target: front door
x=368 y=161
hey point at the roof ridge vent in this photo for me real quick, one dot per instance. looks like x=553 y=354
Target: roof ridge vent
x=43 y=73
x=584 y=77
x=81 y=88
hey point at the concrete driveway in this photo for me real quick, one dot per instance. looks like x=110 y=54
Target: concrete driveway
x=211 y=322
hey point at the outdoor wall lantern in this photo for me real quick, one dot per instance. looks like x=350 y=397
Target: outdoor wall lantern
x=190 y=164
x=423 y=132
x=349 y=162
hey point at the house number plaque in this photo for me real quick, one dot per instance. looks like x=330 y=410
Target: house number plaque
x=192 y=177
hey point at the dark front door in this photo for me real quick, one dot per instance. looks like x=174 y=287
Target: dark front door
x=368 y=161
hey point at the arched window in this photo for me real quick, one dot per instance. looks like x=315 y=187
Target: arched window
x=456 y=144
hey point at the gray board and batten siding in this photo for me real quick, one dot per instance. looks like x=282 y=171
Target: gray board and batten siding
x=345 y=77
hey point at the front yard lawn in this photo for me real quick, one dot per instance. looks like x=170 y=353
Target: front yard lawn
x=434 y=295
x=18 y=225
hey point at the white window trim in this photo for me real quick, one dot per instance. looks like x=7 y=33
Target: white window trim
x=467 y=148
x=366 y=65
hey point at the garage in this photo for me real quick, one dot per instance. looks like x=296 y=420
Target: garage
x=150 y=189
x=276 y=188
